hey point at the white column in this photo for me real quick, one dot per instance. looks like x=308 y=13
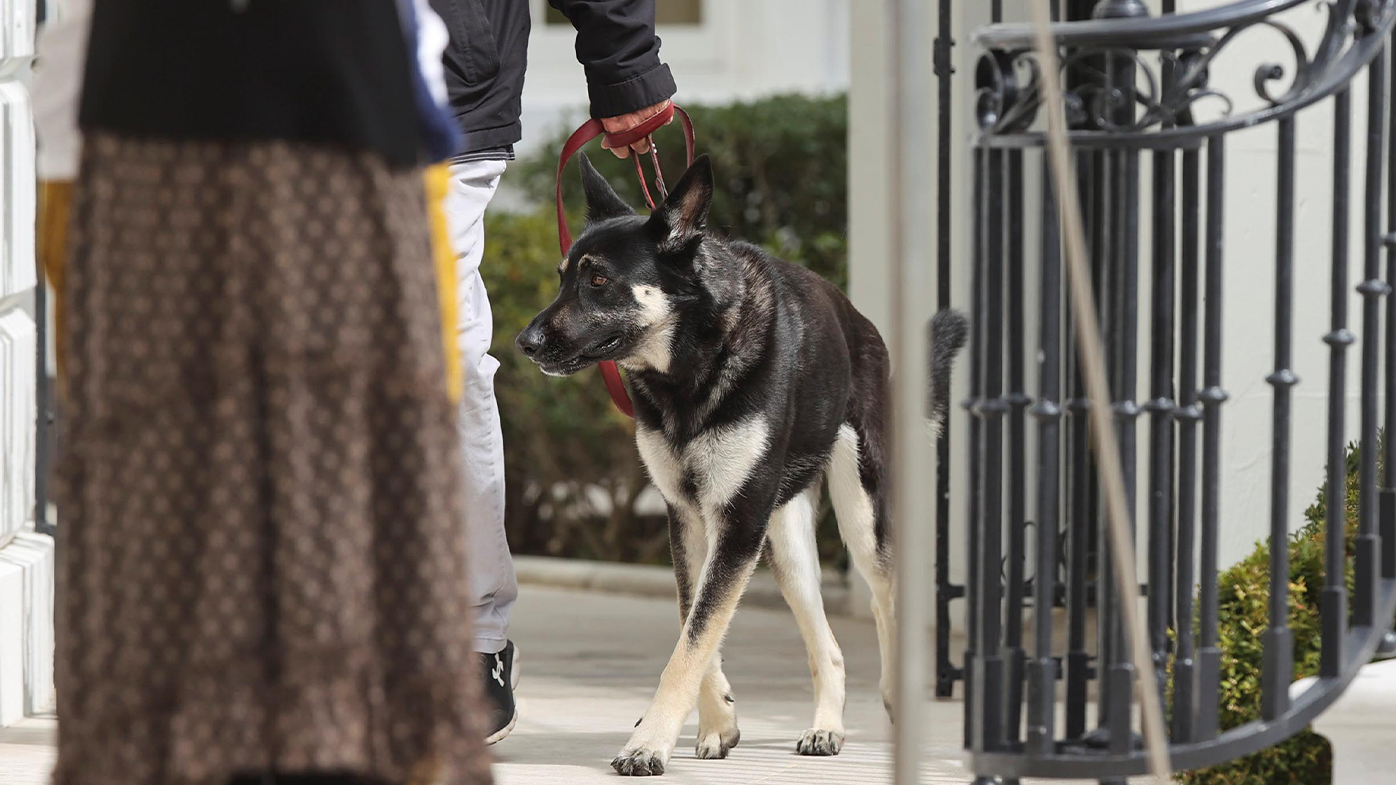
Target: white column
x=17 y=267
x=871 y=208
x=26 y=559
x=870 y=205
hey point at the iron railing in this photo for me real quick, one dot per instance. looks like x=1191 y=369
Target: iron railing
x=1135 y=87
x=947 y=592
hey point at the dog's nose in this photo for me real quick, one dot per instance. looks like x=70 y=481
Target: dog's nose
x=530 y=341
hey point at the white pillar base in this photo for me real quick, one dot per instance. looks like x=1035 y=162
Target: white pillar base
x=1361 y=725
x=26 y=627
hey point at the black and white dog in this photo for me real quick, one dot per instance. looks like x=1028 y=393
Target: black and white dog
x=754 y=378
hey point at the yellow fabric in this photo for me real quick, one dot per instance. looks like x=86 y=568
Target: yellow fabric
x=55 y=199
x=438 y=182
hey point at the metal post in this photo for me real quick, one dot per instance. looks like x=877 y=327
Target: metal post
x=1366 y=566
x=946 y=672
x=991 y=408
x=1212 y=396
x=42 y=524
x=1018 y=401
x=1079 y=504
x=1188 y=415
x=914 y=287
x=976 y=436
x=1334 y=598
x=1042 y=671
x=1279 y=640
x=1388 y=494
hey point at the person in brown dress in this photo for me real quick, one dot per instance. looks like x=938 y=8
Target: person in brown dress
x=261 y=547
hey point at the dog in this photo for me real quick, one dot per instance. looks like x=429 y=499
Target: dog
x=753 y=379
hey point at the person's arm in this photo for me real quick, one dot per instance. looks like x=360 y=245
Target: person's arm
x=616 y=45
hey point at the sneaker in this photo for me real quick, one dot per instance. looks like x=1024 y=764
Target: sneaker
x=501 y=677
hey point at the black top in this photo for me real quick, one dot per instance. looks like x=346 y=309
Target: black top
x=485 y=63
x=327 y=71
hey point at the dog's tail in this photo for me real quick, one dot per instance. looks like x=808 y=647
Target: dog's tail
x=949 y=331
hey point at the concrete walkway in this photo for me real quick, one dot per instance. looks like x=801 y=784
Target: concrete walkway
x=590 y=662
x=26 y=751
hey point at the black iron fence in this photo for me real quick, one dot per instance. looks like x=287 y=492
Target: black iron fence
x=1137 y=86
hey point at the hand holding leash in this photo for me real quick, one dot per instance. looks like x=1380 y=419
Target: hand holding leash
x=620 y=125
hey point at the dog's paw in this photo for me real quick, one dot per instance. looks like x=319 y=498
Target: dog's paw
x=714 y=745
x=639 y=763
x=820 y=742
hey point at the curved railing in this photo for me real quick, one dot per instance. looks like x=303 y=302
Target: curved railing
x=1140 y=86
x=1007 y=89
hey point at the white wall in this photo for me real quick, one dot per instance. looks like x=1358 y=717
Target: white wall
x=1247 y=355
x=742 y=50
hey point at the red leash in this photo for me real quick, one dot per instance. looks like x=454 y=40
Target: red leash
x=587 y=132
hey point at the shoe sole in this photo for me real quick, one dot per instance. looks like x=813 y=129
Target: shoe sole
x=514 y=677
x=499 y=735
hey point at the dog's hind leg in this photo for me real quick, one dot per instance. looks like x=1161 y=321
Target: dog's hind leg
x=857 y=506
x=717 y=714
x=795 y=562
x=717 y=709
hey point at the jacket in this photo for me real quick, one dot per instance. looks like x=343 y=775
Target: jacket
x=488 y=54
x=320 y=71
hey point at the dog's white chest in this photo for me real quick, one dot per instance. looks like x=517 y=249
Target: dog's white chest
x=711 y=469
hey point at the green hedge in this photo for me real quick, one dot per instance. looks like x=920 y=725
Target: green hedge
x=1243 y=595
x=561 y=436
x=570 y=462
x=780 y=166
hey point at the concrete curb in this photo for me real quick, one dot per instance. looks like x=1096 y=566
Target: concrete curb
x=652 y=581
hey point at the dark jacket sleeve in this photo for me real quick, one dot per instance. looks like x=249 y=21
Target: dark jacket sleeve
x=617 y=46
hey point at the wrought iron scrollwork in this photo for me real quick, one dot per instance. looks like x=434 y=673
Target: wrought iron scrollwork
x=1007 y=96
x=1006 y=86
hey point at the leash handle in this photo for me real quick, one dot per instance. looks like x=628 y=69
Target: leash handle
x=592 y=128
x=588 y=131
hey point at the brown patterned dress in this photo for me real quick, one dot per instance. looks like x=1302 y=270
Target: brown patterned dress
x=261 y=551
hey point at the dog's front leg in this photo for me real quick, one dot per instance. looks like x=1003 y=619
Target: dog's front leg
x=717 y=709
x=724 y=577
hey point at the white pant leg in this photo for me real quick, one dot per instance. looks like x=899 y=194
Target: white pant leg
x=491 y=568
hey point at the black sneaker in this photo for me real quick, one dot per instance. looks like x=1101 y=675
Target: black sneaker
x=501 y=676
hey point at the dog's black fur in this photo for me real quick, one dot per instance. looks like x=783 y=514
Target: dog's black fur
x=717 y=336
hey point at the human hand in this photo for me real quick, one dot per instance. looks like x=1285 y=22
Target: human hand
x=625 y=122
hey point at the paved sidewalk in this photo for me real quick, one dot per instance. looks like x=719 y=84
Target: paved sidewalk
x=26 y=752
x=590 y=662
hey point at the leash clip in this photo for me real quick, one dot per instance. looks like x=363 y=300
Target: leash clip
x=659 y=185
x=658 y=173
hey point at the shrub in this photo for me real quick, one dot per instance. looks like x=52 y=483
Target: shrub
x=563 y=440
x=1243 y=595
x=780 y=165
x=570 y=462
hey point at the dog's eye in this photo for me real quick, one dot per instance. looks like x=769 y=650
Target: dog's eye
x=599 y=280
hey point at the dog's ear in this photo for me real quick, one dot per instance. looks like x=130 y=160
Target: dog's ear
x=684 y=212
x=602 y=202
